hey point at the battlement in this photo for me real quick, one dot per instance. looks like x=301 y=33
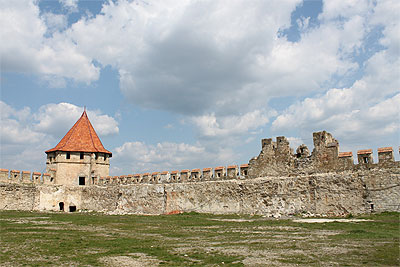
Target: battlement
x=275 y=159
x=278 y=159
x=25 y=177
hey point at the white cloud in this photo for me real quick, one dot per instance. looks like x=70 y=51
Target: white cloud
x=140 y=157
x=55 y=22
x=211 y=126
x=71 y=5
x=27 y=49
x=219 y=57
x=364 y=111
x=190 y=57
x=14 y=126
x=219 y=63
x=57 y=119
x=368 y=109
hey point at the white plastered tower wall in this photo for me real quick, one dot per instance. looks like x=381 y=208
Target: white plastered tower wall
x=67 y=171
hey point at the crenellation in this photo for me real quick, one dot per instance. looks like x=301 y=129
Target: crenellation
x=385 y=155
x=207 y=174
x=48 y=179
x=302 y=151
x=244 y=168
x=365 y=157
x=129 y=179
x=15 y=176
x=232 y=171
x=165 y=177
x=283 y=152
x=185 y=174
x=195 y=175
x=115 y=180
x=4 y=175
x=146 y=177
x=346 y=161
x=37 y=178
x=175 y=176
x=26 y=177
x=138 y=178
x=325 y=155
x=219 y=173
x=155 y=178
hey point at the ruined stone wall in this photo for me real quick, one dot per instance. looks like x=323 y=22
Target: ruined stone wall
x=277 y=182
x=331 y=194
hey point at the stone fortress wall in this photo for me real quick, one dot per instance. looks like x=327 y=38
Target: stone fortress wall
x=277 y=182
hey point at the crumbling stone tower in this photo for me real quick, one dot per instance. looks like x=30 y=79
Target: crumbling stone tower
x=79 y=158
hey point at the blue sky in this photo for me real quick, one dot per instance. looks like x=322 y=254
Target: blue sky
x=192 y=84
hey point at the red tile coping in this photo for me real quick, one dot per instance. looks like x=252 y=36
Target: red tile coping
x=115 y=177
x=232 y=167
x=109 y=177
x=184 y=171
x=136 y=175
x=53 y=170
x=196 y=170
x=3 y=170
x=165 y=172
x=244 y=165
x=174 y=172
x=146 y=173
x=207 y=169
x=364 y=151
x=26 y=172
x=46 y=174
x=123 y=176
x=385 y=149
x=155 y=173
x=219 y=168
x=345 y=154
x=37 y=173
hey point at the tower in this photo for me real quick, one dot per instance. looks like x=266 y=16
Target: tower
x=79 y=157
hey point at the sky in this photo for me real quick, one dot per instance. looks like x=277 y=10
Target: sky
x=171 y=85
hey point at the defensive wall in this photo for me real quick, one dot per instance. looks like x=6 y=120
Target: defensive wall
x=279 y=181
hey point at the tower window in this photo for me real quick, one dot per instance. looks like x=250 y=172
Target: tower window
x=105 y=157
x=81 y=155
x=81 y=180
x=96 y=156
x=68 y=155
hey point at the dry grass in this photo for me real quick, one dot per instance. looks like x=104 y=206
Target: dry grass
x=92 y=239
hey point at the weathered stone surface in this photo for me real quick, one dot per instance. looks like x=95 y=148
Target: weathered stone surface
x=335 y=194
x=276 y=182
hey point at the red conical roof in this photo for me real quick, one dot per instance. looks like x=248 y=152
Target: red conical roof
x=81 y=138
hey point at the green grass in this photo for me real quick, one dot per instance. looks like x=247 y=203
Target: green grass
x=191 y=239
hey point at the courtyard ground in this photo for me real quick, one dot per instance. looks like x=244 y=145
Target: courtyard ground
x=191 y=239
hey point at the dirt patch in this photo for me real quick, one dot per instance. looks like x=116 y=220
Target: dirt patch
x=133 y=260
x=320 y=220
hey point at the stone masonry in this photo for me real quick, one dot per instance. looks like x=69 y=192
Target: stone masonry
x=279 y=181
